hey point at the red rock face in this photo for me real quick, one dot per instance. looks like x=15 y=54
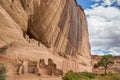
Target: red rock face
x=62 y=26
x=42 y=29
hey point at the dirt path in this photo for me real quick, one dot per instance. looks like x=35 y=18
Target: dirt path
x=33 y=78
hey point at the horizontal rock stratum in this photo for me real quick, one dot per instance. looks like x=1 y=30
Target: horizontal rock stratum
x=31 y=30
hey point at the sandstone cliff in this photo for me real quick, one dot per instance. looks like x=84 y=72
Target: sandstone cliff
x=41 y=29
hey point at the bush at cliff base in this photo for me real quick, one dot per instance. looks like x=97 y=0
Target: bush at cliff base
x=2 y=72
x=70 y=75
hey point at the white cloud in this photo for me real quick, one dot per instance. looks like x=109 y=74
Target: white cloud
x=118 y=2
x=100 y=53
x=115 y=53
x=95 y=5
x=104 y=28
x=105 y=12
x=96 y=0
x=107 y=2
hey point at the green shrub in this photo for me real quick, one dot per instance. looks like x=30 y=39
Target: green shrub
x=2 y=72
x=86 y=74
x=111 y=74
x=108 y=76
x=102 y=74
x=116 y=76
x=70 y=75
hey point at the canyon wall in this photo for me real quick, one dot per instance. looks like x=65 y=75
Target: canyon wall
x=42 y=29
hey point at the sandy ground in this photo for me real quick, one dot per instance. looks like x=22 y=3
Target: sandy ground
x=33 y=78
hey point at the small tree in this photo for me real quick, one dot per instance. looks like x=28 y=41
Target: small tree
x=2 y=72
x=105 y=62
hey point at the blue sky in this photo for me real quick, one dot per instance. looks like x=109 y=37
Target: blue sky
x=85 y=3
x=103 y=17
x=88 y=3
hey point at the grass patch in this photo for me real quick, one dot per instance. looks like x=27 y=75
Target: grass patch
x=70 y=75
x=108 y=77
